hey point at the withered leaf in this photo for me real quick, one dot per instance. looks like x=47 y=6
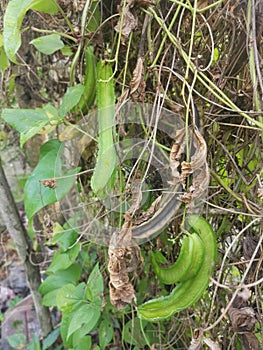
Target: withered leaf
x=146 y=215
x=199 y=186
x=249 y=341
x=137 y=83
x=124 y=257
x=243 y=320
x=196 y=342
x=211 y=344
x=128 y=19
x=178 y=149
x=199 y=157
x=121 y=297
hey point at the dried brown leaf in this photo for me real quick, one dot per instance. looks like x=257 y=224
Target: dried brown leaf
x=243 y=320
x=136 y=196
x=244 y=294
x=198 y=187
x=249 y=341
x=211 y=344
x=148 y=214
x=128 y=19
x=199 y=157
x=249 y=245
x=178 y=149
x=137 y=76
x=137 y=83
x=241 y=298
x=121 y=297
x=124 y=257
x=196 y=342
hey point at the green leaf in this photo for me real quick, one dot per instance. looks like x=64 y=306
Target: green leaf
x=95 y=283
x=71 y=99
x=102 y=180
x=62 y=261
x=105 y=333
x=36 y=195
x=17 y=340
x=132 y=332
x=64 y=238
x=66 y=51
x=28 y=122
x=69 y=297
x=46 y=6
x=13 y=18
x=49 y=299
x=34 y=344
x=1 y=40
x=78 y=339
x=51 y=112
x=48 y=44
x=86 y=315
x=51 y=339
x=94 y=19
x=59 y=279
x=4 y=63
x=82 y=342
x=216 y=56
x=64 y=330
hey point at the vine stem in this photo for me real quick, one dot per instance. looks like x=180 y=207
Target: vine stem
x=241 y=284
x=204 y=80
x=47 y=31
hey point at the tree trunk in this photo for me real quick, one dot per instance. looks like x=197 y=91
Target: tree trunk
x=19 y=236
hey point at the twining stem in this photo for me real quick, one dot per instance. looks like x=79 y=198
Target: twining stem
x=204 y=80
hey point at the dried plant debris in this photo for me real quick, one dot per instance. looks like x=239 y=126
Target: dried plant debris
x=198 y=159
x=51 y=183
x=48 y=224
x=128 y=20
x=198 y=187
x=149 y=213
x=124 y=254
x=124 y=257
x=137 y=83
x=199 y=339
x=243 y=320
x=178 y=150
x=249 y=246
x=197 y=167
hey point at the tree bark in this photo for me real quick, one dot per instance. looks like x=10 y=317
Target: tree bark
x=20 y=237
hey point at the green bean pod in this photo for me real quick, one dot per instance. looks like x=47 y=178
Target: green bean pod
x=188 y=292
x=186 y=265
x=103 y=176
x=88 y=97
x=196 y=258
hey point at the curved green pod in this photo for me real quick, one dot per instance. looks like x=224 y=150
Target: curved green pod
x=188 y=292
x=89 y=94
x=186 y=265
x=196 y=258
